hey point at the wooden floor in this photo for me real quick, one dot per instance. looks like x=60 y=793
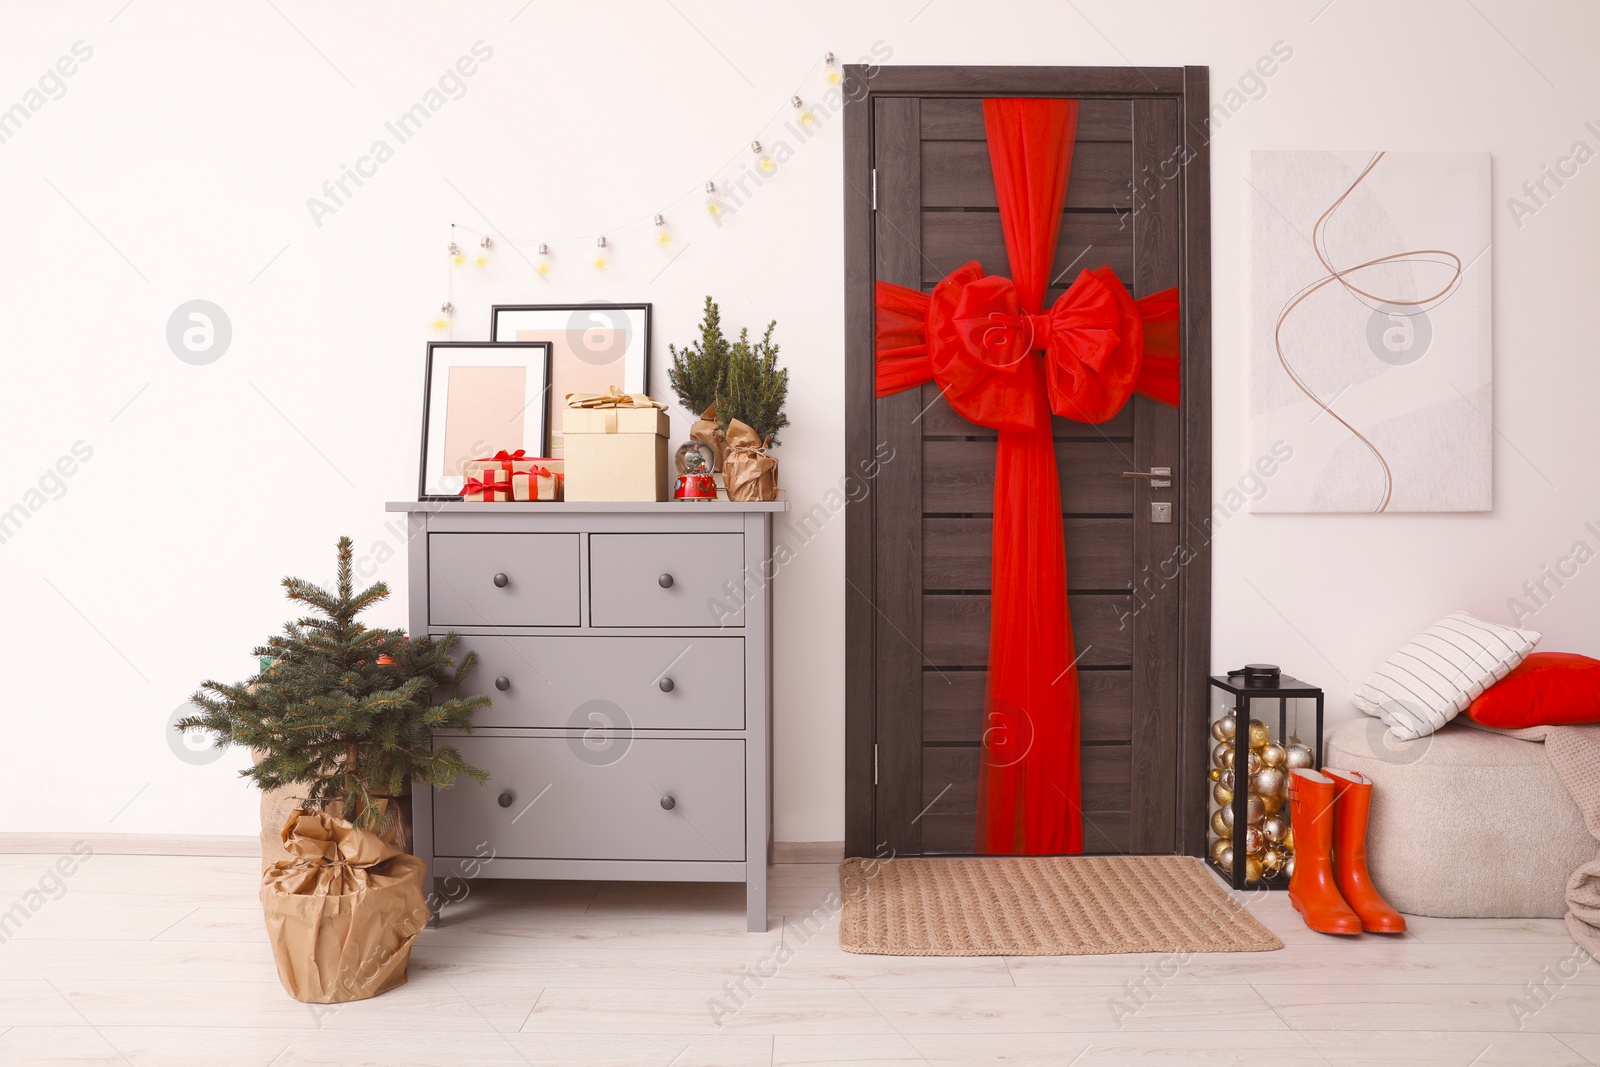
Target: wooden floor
x=148 y=960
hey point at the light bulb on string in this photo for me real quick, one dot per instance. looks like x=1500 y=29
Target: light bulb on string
x=663 y=235
x=602 y=254
x=763 y=161
x=543 y=266
x=714 y=206
x=441 y=321
x=457 y=257
x=481 y=260
x=802 y=114
x=833 y=75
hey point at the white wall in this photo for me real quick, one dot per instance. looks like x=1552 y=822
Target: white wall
x=178 y=163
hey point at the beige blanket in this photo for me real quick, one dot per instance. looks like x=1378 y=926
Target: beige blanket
x=1574 y=754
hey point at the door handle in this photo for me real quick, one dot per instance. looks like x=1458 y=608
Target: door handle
x=1158 y=477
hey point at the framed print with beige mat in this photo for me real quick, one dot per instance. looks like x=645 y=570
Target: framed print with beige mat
x=1041 y=906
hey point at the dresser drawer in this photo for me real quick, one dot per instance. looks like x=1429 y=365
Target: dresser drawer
x=491 y=579
x=657 y=579
x=568 y=802
x=649 y=683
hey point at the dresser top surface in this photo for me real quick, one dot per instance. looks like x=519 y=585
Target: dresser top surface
x=563 y=507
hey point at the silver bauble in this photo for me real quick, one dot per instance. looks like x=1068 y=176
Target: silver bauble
x=1269 y=781
x=1273 y=755
x=1255 y=810
x=1220 y=755
x=1298 y=757
x=1223 y=729
x=1275 y=828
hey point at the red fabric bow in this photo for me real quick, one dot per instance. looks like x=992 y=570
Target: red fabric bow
x=503 y=456
x=475 y=486
x=973 y=337
x=976 y=336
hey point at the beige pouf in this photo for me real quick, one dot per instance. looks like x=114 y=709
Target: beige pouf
x=1465 y=823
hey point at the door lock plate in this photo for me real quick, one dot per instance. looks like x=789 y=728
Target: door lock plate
x=1160 y=511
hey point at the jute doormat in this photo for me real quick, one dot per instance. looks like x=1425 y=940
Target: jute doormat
x=1041 y=906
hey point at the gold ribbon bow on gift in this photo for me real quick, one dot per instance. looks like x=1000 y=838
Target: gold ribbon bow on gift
x=751 y=474
x=611 y=401
x=612 y=398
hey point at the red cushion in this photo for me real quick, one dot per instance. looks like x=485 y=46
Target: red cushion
x=1546 y=689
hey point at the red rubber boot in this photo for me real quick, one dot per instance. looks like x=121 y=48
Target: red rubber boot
x=1313 y=890
x=1353 y=801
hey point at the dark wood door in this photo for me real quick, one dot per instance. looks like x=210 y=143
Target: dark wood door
x=920 y=604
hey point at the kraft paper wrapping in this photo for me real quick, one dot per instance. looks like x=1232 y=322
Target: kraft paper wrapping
x=751 y=474
x=342 y=911
x=707 y=430
x=541 y=482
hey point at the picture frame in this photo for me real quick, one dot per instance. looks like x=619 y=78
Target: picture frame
x=479 y=397
x=593 y=346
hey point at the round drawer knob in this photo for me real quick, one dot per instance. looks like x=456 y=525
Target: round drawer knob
x=665 y=581
x=502 y=683
x=666 y=685
x=506 y=798
x=501 y=581
x=668 y=802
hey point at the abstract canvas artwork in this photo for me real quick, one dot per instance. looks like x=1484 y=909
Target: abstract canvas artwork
x=1370 y=339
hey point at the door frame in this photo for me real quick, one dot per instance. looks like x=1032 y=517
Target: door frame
x=1190 y=87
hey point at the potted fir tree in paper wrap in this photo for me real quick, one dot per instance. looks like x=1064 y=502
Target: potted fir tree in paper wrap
x=750 y=403
x=344 y=713
x=695 y=375
x=740 y=392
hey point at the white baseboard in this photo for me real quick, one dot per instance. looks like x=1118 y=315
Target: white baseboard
x=243 y=845
x=133 y=844
x=808 y=852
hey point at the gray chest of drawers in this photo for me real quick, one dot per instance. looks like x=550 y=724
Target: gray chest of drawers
x=627 y=648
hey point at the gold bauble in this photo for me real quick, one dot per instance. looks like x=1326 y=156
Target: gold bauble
x=1273 y=804
x=1217 y=848
x=1222 y=755
x=1222 y=794
x=1215 y=774
x=1227 y=779
x=1254 y=841
x=1253 y=761
x=1259 y=734
x=1221 y=825
x=1298 y=756
x=1273 y=755
x=1288 y=866
x=1227 y=818
x=1288 y=839
x=1269 y=781
x=1223 y=729
x=1252 y=869
x=1275 y=828
x=1272 y=859
x=1255 y=809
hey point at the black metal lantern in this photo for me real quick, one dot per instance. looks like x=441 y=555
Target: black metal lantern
x=1251 y=840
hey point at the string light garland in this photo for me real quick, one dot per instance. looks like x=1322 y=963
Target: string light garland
x=723 y=195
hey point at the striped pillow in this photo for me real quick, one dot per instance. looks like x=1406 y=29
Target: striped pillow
x=1433 y=677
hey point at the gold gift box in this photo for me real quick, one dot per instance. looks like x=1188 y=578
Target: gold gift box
x=615 y=453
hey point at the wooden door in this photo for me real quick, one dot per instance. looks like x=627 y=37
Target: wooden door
x=920 y=541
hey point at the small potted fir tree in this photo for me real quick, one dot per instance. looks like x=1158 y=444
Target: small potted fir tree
x=346 y=712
